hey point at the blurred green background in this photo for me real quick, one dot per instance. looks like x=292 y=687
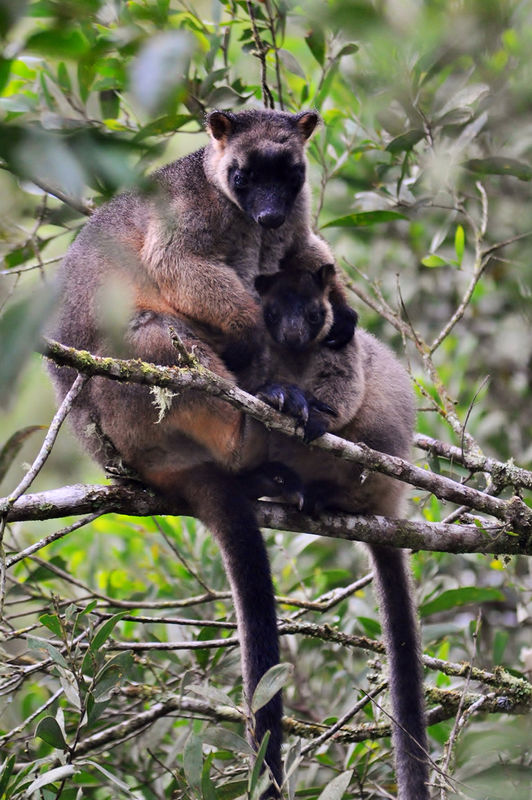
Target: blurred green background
x=421 y=171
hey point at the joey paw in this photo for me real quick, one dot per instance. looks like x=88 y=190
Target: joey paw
x=343 y=327
x=273 y=479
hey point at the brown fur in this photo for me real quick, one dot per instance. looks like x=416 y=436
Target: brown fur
x=187 y=255
x=370 y=392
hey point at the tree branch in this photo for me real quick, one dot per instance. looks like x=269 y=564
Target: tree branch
x=513 y=513
x=138 y=501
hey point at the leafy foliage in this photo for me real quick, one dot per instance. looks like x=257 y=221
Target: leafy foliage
x=422 y=175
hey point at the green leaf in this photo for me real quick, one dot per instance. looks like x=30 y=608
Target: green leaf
x=86 y=74
x=166 y=124
x=291 y=63
x=59 y=43
x=160 y=68
x=111 y=675
x=459 y=243
x=231 y=790
x=53 y=652
x=405 y=141
x=500 y=640
x=225 y=739
x=104 y=631
x=337 y=787
x=454 y=598
x=208 y=791
x=193 y=760
x=257 y=767
x=497 y=165
x=433 y=260
x=63 y=78
x=109 y=103
x=11 y=448
x=10 y=11
x=42 y=573
x=111 y=777
x=5 y=68
x=270 y=683
x=214 y=694
x=363 y=219
x=49 y=731
x=50 y=776
x=347 y=50
x=371 y=626
x=52 y=623
x=8 y=765
x=315 y=40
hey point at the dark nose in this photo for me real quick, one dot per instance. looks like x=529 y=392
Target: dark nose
x=293 y=335
x=270 y=219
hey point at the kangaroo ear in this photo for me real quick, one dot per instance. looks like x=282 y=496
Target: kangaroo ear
x=219 y=124
x=263 y=283
x=324 y=275
x=306 y=122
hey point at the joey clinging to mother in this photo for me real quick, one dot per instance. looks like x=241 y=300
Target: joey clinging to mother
x=361 y=392
x=186 y=256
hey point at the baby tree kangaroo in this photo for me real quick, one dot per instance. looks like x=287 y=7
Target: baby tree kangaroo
x=363 y=394
x=186 y=255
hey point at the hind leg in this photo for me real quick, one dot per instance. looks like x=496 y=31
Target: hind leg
x=193 y=422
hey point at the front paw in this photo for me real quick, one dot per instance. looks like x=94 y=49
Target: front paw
x=287 y=398
x=343 y=327
x=316 y=425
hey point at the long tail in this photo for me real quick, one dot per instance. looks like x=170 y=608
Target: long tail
x=401 y=634
x=217 y=500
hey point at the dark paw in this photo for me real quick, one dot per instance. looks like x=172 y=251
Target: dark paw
x=318 y=497
x=286 y=398
x=316 y=425
x=343 y=327
x=273 y=479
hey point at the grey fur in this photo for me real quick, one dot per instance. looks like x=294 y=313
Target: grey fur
x=187 y=255
x=371 y=394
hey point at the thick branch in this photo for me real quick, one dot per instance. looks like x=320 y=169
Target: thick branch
x=138 y=501
x=513 y=512
x=189 y=706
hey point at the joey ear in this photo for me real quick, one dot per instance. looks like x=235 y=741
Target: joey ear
x=219 y=124
x=263 y=283
x=324 y=275
x=306 y=123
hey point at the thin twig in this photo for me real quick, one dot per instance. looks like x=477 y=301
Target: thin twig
x=329 y=734
x=261 y=51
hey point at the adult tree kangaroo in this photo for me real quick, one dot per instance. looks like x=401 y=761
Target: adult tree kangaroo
x=186 y=255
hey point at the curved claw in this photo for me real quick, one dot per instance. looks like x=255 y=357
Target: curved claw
x=319 y=406
x=273 y=395
x=296 y=404
x=316 y=426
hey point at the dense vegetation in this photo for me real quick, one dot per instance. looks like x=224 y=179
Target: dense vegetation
x=119 y=674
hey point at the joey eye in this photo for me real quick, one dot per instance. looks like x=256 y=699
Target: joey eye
x=314 y=315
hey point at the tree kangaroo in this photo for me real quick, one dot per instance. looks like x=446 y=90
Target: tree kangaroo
x=362 y=393
x=186 y=255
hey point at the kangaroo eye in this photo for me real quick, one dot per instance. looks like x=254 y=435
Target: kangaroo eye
x=240 y=179
x=271 y=314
